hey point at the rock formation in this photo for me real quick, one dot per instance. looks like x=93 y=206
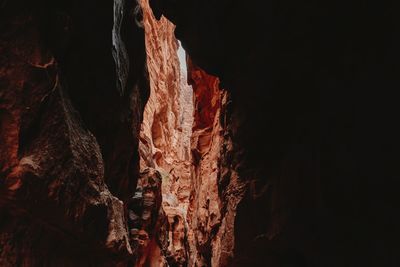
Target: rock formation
x=204 y=216
x=216 y=187
x=189 y=146
x=307 y=137
x=282 y=152
x=146 y=219
x=68 y=131
x=166 y=131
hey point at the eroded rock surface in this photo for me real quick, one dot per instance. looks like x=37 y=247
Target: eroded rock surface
x=68 y=158
x=294 y=164
x=216 y=187
x=308 y=130
x=166 y=131
x=204 y=216
x=146 y=220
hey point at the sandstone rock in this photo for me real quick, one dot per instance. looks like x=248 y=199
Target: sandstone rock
x=216 y=188
x=309 y=132
x=57 y=161
x=245 y=186
x=146 y=217
x=166 y=131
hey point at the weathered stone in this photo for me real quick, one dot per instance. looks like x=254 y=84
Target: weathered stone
x=57 y=159
x=166 y=132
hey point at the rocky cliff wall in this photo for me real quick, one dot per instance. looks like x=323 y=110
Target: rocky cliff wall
x=309 y=136
x=216 y=187
x=166 y=132
x=204 y=216
x=295 y=164
x=70 y=113
x=190 y=145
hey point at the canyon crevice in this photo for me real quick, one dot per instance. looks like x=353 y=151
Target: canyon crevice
x=273 y=143
x=186 y=138
x=165 y=139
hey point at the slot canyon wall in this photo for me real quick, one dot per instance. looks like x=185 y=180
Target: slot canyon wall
x=72 y=92
x=165 y=146
x=186 y=142
x=216 y=189
x=313 y=141
x=110 y=158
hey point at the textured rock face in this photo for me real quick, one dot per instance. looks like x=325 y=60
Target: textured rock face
x=166 y=132
x=298 y=76
x=146 y=219
x=294 y=165
x=190 y=145
x=68 y=137
x=204 y=216
x=168 y=111
x=216 y=189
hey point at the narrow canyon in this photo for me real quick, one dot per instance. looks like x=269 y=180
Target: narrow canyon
x=185 y=133
x=185 y=221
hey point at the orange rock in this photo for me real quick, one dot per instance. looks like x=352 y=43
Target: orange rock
x=166 y=130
